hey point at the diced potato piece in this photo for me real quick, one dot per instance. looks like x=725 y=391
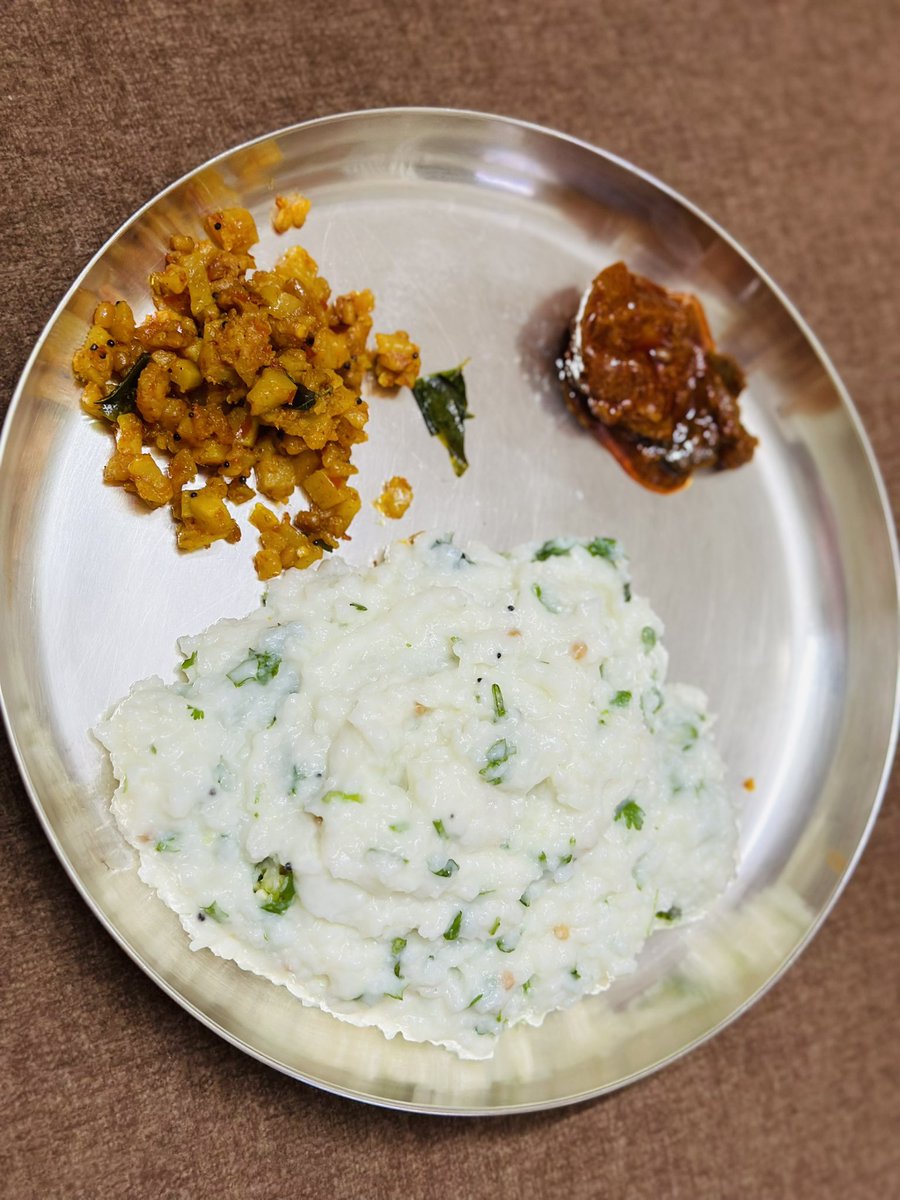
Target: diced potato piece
x=286 y=307
x=321 y=490
x=93 y=363
x=239 y=491
x=396 y=360
x=356 y=418
x=166 y=330
x=273 y=389
x=263 y=518
x=212 y=453
x=152 y=392
x=90 y=400
x=336 y=460
x=315 y=430
x=246 y=427
x=185 y=374
x=294 y=362
x=353 y=307
x=149 y=482
x=290 y=212
x=117 y=318
x=129 y=441
x=275 y=476
x=281 y=545
x=331 y=350
x=173 y=281
x=204 y=517
x=347 y=509
x=182 y=469
x=232 y=229
x=243 y=342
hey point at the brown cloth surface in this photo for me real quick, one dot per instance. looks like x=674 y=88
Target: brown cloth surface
x=781 y=120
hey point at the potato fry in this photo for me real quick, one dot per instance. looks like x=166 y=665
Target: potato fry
x=249 y=379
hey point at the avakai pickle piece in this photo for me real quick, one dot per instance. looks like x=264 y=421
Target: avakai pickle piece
x=642 y=372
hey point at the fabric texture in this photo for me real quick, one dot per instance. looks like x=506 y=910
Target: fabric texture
x=781 y=120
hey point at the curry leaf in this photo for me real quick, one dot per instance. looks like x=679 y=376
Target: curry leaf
x=122 y=398
x=442 y=402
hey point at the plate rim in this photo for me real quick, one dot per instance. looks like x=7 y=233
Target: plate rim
x=452 y=115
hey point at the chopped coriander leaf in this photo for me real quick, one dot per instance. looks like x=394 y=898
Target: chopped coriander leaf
x=527 y=985
x=215 y=912
x=553 y=549
x=621 y=699
x=398 y=945
x=189 y=662
x=439 y=829
x=451 y=933
x=631 y=813
x=542 y=857
x=168 y=844
x=670 y=914
x=259 y=667
x=153 y=749
x=648 y=636
x=394 y=995
x=551 y=605
x=275 y=883
x=361 y=607
x=347 y=797
x=448 y=869
x=565 y=860
x=197 y=714
x=444 y=407
x=575 y=973
x=399 y=826
x=604 y=547
x=499 y=706
x=626 y=591
x=493 y=929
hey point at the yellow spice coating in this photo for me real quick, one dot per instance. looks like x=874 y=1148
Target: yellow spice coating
x=247 y=374
x=290 y=212
x=396 y=497
x=396 y=360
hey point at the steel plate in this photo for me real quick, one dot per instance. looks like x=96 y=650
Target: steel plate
x=777 y=582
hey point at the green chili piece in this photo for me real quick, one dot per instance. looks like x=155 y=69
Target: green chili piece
x=274 y=882
x=451 y=933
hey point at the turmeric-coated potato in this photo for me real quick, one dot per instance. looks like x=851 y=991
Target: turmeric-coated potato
x=239 y=381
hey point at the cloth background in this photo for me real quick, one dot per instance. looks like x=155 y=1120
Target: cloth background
x=781 y=119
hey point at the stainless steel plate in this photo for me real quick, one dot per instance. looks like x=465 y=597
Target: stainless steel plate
x=778 y=582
